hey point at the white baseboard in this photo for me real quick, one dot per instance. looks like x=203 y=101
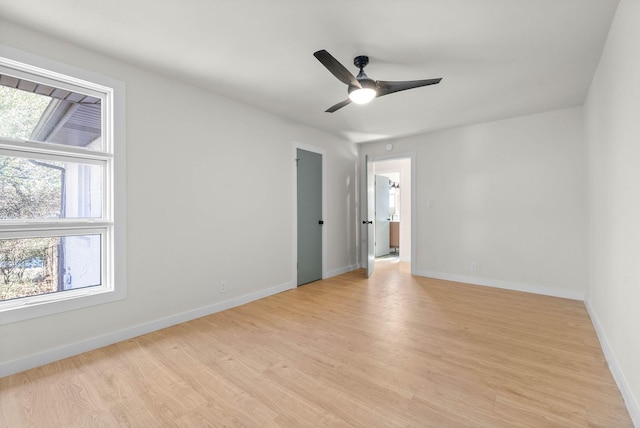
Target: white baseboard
x=15 y=366
x=633 y=405
x=342 y=270
x=507 y=285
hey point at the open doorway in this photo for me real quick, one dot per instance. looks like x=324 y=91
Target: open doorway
x=387 y=215
x=393 y=209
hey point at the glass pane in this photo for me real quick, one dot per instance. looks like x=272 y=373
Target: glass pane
x=39 y=189
x=35 y=266
x=36 y=112
x=20 y=112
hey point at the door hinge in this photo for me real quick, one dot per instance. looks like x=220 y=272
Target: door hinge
x=297 y=159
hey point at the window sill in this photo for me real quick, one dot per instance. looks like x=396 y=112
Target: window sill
x=24 y=309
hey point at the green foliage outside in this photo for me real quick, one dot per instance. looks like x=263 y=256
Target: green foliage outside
x=28 y=190
x=20 y=112
x=26 y=267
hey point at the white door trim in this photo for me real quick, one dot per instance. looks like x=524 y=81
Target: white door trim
x=412 y=157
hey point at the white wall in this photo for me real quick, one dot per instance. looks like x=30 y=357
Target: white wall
x=612 y=112
x=509 y=196
x=209 y=198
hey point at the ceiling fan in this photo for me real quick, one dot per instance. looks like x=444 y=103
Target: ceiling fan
x=362 y=89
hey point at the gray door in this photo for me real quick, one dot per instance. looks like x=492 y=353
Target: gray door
x=382 y=216
x=309 y=216
x=371 y=213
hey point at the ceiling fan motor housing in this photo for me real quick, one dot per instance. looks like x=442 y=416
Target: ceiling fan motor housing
x=365 y=83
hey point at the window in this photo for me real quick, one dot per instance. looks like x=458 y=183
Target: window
x=60 y=200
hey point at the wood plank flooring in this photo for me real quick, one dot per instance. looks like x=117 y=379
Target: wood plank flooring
x=391 y=351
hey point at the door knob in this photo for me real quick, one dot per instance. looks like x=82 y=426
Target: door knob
x=367 y=222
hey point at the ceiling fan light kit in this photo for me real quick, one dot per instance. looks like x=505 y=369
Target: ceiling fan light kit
x=362 y=89
x=361 y=95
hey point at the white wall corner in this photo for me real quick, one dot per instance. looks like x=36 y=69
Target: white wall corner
x=342 y=270
x=632 y=403
x=506 y=285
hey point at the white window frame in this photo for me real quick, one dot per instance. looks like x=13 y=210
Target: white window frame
x=111 y=226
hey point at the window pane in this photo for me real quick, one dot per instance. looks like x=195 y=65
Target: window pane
x=35 y=266
x=39 y=189
x=37 y=112
x=20 y=112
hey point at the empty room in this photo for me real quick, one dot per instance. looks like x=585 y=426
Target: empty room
x=303 y=214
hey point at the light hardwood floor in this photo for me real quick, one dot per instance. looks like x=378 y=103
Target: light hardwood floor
x=394 y=350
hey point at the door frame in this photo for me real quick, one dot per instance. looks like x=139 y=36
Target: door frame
x=412 y=157
x=294 y=171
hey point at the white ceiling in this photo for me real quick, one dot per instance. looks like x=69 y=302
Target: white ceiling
x=497 y=58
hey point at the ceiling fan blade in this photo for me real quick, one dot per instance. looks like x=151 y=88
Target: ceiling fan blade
x=338 y=106
x=386 y=88
x=336 y=68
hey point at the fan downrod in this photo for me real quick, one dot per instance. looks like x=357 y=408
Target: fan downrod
x=361 y=61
